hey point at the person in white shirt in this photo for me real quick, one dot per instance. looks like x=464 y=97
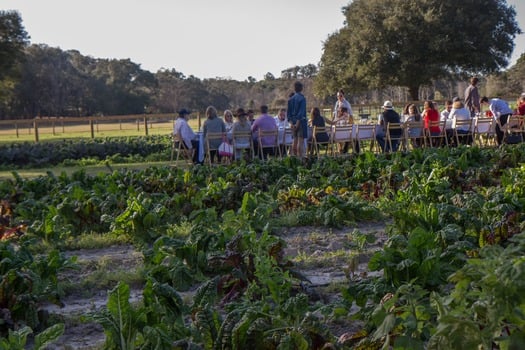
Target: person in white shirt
x=459 y=112
x=228 y=120
x=280 y=119
x=342 y=102
x=501 y=111
x=446 y=112
x=182 y=129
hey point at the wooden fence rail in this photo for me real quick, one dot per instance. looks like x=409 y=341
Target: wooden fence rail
x=125 y=125
x=86 y=126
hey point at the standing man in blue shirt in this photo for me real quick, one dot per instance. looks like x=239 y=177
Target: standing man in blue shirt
x=296 y=115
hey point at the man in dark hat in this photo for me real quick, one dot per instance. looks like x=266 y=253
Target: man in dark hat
x=183 y=131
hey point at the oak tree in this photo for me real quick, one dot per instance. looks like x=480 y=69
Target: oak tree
x=13 y=39
x=412 y=42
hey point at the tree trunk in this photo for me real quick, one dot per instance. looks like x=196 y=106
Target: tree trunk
x=414 y=92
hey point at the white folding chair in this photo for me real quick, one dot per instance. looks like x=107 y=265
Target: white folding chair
x=438 y=139
x=317 y=142
x=366 y=133
x=395 y=132
x=484 y=131
x=287 y=141
x=179 y=146
x=212 y=141
x=242 y=143
x=513 y=129
x=414 y=135
x=271 y=148
x=465 y=126
x=341 y=137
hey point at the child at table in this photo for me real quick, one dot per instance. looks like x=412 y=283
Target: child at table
x=342 y=118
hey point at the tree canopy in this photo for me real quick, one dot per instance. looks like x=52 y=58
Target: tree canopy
x=53 y=82
x=412 y=42
x=13 y=39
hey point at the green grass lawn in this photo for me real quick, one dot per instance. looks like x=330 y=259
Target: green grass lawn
x=9 y=135
x=91 y=169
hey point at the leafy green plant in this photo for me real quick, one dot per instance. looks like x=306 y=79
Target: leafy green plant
x=142 y=218
x=121 y=320
x=404 y=319
x=17 y=340
x=77 y=151
x=417 y=257
x=26 y=280
x=485 y=308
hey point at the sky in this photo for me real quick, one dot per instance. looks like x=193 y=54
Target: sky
x=204 y=38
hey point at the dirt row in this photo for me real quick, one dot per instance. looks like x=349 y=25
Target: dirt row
x=324 y=256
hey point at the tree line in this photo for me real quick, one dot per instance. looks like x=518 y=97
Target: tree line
x=53 y=82
x=406 y=51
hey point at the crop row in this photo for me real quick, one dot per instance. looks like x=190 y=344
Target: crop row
x=211 y=228
x=73 y=151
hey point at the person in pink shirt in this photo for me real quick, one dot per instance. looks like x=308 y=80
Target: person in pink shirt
x=264 y=122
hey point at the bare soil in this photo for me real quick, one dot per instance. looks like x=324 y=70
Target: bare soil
x=326 y=257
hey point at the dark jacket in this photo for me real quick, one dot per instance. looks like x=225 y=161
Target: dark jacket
x=391 y=116
x=319 y=122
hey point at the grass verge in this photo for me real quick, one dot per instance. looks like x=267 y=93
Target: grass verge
x=90 y=169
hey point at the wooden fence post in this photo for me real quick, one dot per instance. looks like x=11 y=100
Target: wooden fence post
x=92 y=128
x=35 y=126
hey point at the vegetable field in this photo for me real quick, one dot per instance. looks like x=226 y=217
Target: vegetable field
x=219 y=267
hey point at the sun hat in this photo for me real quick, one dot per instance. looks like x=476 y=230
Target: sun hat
x=388 y=105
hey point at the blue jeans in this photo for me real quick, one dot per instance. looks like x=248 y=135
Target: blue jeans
x=380 y=137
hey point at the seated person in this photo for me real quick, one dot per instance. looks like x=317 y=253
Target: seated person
x=389 y=115
x=280 y=119
x=317 y=120
x=241 y=126
x=414 y=133
x=228 y=122
x=183 y=131
x=445 y=114
x=430 y=117
x=264 y=122
x=342 y=118
x=213 y=124
x=459 y=112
